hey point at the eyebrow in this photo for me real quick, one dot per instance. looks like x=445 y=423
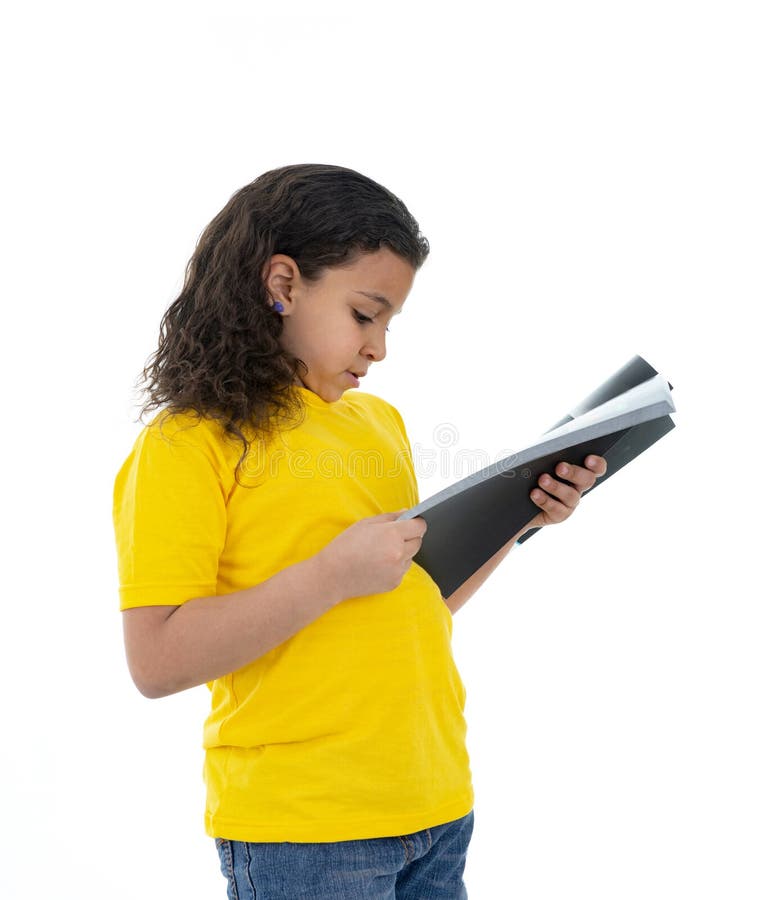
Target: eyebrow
x=378 y=298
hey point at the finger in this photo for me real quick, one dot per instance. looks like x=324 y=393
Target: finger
x=569 y=495
x=412 y=528
x=385 y=517
x=553 y=510
x=581 y=478
x=597 y=464
x=412 y=547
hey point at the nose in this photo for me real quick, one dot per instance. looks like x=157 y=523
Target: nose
x=375 y=347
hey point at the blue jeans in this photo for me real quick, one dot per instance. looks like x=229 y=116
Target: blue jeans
x=426 y=865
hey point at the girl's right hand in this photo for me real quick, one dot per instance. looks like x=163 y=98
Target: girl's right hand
x=372 y=555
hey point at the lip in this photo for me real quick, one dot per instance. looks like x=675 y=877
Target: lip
x=354 y=378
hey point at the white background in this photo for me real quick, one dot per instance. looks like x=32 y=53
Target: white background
x=593 y=178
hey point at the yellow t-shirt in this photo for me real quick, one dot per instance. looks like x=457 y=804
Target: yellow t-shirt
x=352 y=728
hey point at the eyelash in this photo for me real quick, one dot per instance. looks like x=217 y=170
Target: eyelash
x=362 y=318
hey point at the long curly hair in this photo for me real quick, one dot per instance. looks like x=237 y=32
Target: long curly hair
x=219 y=353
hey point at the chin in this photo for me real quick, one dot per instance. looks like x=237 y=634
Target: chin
x=328 y=392
x=330 y=395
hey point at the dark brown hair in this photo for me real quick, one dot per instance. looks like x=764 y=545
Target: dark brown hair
x=218 y=353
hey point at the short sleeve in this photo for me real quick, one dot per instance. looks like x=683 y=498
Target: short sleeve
x=170 y=517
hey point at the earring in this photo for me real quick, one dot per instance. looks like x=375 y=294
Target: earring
x=278 y=306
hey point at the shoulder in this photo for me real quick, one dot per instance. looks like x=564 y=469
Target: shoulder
x=182 y=427
x=377 y=406
x=370 y=401
x=174 y=439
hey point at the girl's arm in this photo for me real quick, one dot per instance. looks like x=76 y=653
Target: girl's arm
x=468 y=588
x=171 y=648
x=557 y=502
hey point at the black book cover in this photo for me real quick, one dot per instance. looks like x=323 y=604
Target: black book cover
x=472 y=519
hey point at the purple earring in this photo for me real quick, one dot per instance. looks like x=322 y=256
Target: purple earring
x=278 y=306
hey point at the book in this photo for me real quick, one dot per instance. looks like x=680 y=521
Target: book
x=469 y=521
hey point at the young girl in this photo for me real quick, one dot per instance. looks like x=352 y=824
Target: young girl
x=259 y=552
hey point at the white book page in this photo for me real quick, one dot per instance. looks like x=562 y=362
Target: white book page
x=648 y=393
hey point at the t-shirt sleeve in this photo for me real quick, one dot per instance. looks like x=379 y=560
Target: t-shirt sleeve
x=169 y=514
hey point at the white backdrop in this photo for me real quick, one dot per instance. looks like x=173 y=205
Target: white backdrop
x=593 y=179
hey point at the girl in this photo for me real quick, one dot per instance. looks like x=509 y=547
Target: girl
x=259 y=552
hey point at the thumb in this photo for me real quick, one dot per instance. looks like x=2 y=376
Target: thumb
x=385 y=517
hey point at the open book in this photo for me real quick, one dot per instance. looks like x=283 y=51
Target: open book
x=469 y=521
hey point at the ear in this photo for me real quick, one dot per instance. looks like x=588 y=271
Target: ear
x=281 y=276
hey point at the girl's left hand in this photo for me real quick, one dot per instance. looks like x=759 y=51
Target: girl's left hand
x=558 y=501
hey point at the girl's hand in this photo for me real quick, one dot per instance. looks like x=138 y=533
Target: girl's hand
x=372 y=555
x=558 y=501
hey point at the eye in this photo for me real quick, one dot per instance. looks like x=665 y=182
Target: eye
x=361 y=318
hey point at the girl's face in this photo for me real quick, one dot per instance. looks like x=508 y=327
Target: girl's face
x=336 y=325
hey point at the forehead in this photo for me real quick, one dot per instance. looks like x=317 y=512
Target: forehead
x=381 y=276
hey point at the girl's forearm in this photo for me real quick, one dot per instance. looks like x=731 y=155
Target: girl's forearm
x=208 y=637
x=468 y=588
